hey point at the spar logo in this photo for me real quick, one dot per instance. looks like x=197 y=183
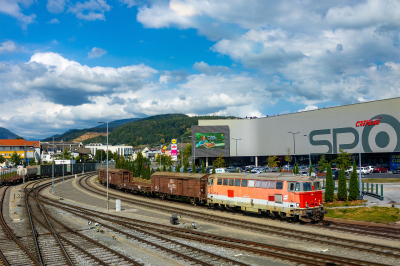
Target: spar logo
x=368 y=122
x=382 y=138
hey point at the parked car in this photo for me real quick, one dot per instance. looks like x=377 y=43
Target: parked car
x=335 y=174
x=364 y=170
x=380 y=169
x=370 y=168
x=397 y=170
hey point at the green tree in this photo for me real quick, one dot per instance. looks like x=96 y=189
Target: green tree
x=354 y=190
x=322 y=164
x=167 y=160
x=143 y=172
x=158 y=169
x=342 y=189
x=296 y=169
x=170 y=169
x=2 y=159
x=78 y=159
x=329 y=188
x=164 y=169
x=288 y=157
x=148 y=172
x=310 y=170
x=187 y=152
x=178 y=168
x=213 y=170
x=185 y=170
x=15 y=158
x=100 y=155
x=203 y=168
x=219 y=162
x=272 y=161
x=152 y=171
x=280 y=169
x=237 y=170
x=343 y=159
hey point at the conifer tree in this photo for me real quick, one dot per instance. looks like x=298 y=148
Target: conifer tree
x=280 y=169
x=213 y=170
x=152 y=171
x=237 y=170
x=342 y=189
x=178 y=168
x=203 y=167
x=249 y=170
x=185 y=168
x=143 y=173
x=329 y=189
x=297 y=169
x=148 y=172
x=354 y=190
x=158 y=169
x=170 y=169
x=310 y=171
x=164 y=169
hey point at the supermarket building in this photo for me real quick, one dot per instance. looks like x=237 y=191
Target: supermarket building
x=372 y=127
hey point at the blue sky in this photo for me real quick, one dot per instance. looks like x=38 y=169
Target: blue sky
x=68 y=64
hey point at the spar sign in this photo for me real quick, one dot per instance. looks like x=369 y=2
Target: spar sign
x=174 y=149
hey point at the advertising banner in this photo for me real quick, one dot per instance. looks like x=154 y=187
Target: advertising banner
x=210 y=141
x=394 y=161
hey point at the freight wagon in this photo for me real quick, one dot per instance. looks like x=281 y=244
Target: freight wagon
x=122 y=179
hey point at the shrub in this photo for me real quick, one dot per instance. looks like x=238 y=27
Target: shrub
x=354 y=190
x=342 y=189
x=329 y=190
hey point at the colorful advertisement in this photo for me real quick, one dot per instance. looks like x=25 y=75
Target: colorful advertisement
x=210 y=141
x=394 y=161
x=174 y=149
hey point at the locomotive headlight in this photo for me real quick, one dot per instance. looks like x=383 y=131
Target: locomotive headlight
x=306 y=204
x=297 y=205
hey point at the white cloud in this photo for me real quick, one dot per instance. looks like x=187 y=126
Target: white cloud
x=90 y=10
x=129 y=3
x=54 y=41
x=309 y=108
x=12 y=8
x=210 y=70
x=55 y=6
x=96 y=52
x=53 y=21
x=7 y=47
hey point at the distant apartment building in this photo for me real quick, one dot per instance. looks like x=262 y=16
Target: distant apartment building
x=25 y=149
x=121 y=150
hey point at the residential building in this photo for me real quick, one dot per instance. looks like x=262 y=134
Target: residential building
x=27 y=150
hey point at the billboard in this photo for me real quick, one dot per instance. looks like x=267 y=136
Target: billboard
x=174 y=149
x=210 y=141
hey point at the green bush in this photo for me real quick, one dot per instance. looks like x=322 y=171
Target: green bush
x=329 y=189
x=354 y=190
x=342 y=189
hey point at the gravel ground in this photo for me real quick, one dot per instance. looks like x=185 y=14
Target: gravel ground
x=75 y=195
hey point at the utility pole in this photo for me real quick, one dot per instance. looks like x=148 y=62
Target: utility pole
x=52 y=164
x=294 y=143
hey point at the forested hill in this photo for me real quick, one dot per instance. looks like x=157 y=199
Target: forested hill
x=153 y=130
x=7 y=134
x=73 y=134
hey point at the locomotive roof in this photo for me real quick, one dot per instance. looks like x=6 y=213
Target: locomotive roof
x=180 y=175
x=265 y=176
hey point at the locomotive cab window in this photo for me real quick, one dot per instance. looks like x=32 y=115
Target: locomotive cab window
x=291 y=186
x=317 y=186
x=297 y=186
x=231 y=182
x=244 y=182
x=307 y=186
x=225 y=182
x=258 y=183
x=219 y=182
x=211 y=182
x=279 y=185
x=237 y=182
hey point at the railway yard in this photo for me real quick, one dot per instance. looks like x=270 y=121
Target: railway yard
x=73 y=227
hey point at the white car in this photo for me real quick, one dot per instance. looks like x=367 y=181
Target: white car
x=364 y=170
x=370 y=168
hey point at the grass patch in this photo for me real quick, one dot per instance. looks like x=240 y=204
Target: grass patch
x=344 y=203
x=367 y=214
x=381 y=180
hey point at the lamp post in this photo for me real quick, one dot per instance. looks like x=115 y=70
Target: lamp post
x=108 y=206
x=52 y=170
x=309 y=148
x=182 y=149
x=359 y=157
x=236 y=147
x=294 y=144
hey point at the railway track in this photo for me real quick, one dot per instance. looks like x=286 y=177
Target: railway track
x=12 y=250
x=58 y=244
x=288 y=254
x=382 y=250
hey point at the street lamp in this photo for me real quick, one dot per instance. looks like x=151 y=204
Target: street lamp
x=236 y=147
x=309 y=148
x=108 y=207
x=52 y=169
x=294 y=143
x=359 y=157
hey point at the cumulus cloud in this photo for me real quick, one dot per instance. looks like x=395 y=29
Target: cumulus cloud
x=55 y=6
x=53 y=21
x=96 y=52
x=129 y=3
x=210 y=70
x=7 y=47
x=12 y=8
x=90 y=10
